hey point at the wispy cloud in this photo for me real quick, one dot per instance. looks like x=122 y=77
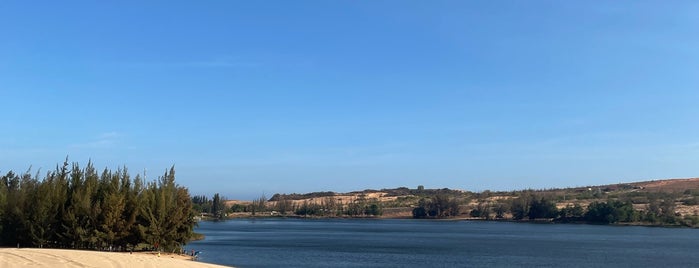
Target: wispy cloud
x=227 y=61
x=692 y=145
x=103 y=140
x=108 y=135
x=335 y=156
x=214 y=62
x=224 y=62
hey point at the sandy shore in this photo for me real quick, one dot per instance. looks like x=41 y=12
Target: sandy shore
x=34 y=257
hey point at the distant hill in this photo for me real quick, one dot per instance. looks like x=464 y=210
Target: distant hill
x=395 y=192
x=670 y=185
x=662 y=186
x=655 y=202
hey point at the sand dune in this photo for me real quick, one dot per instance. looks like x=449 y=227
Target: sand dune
x=33 y=257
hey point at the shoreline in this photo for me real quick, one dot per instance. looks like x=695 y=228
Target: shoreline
x=47 y=257
x=535 y=221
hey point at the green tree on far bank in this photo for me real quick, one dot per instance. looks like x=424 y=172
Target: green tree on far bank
x=542 y=208
x=438 y=206
x=217 y=207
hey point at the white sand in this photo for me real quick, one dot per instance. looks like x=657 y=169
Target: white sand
x=34 y=257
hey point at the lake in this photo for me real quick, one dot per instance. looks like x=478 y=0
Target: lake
x=434 y=243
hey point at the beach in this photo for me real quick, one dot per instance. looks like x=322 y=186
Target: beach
x=35 y=257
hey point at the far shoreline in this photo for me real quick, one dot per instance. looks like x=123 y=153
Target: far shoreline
x=531 y=221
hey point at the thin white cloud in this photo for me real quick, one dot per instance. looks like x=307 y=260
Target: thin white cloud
x=109 y=135
x=233 y=62
x=103 y=140
x=224 y=62
x=216 y=62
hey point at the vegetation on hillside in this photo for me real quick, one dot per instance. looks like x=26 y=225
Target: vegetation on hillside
x=79 y=208
x=611 y=204
x=620 y=205
x=324 y=205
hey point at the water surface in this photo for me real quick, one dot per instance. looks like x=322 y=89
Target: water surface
x=426 y=243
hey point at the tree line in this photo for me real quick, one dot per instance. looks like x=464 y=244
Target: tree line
x=627 y=204
x=80 y=208
x=285 y=205
x=532 y=207
x=213 y=207
x=659 y=210
x=437 y=206
x=329 y=206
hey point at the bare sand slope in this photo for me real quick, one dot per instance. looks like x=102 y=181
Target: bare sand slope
x=34 y=257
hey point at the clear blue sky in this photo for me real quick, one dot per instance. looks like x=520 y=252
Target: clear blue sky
x=297 y=96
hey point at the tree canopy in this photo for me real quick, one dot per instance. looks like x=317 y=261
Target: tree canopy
x=74 y=207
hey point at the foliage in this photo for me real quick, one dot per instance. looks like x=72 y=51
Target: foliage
x=438 y=206
x=73 y=207
x=542 y=209
x=202 y=204
x=610 y=212
x=520 y=207
x=259 y=205
x=482 y=210
x=330 y=207
x=572 y=212
x=500 y=210
x=217 y=207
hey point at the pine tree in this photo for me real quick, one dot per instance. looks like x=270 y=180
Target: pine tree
x=78 y=208
x=216 y=208
x=3 y=201
x=134 y=223
x=39 y=211
x=14 y=229
x=113 y=207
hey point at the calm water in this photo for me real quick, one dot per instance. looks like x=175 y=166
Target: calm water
x=425 y=243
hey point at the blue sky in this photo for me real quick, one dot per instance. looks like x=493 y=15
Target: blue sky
x=246 y=98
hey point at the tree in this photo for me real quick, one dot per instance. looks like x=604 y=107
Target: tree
x=439 y=206
x=444 y=206
x=328 y=205
x=420 y=211
x=40 y=212
x=259 y=204
x=374 y=209
x=600 y=212
x=3 y=201
x=134 y=223
x=500 y=210
x=542 y=209
x=482 y=210
x=14 y=231
x=217 y=207
x=283 y=205
x=356 y=207
x=113 y=219
x=520 y=207
x=572 y=212
x=73 y=207
x=610 y=212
